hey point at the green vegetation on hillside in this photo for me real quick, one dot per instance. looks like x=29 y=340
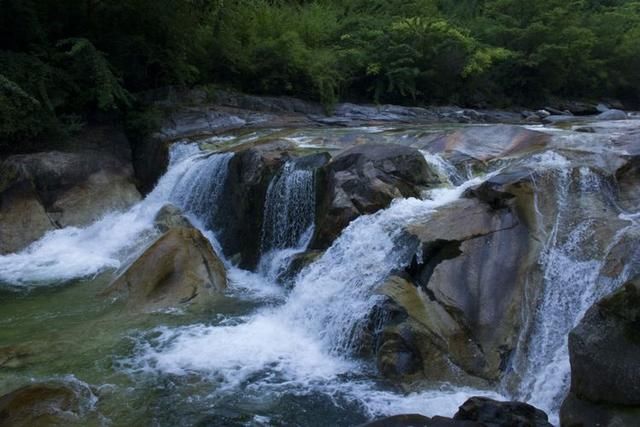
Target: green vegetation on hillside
x=61 y=60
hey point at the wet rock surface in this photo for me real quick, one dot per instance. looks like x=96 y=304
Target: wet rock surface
x=45 y=404
x=475 y=412
x=604 y=349
x=179 y=269
x=364 y=179
x=460 y=300
x=241 y=210
x=487 y=143
x=48 y=190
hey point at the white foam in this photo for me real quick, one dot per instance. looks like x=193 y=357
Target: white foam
x=73 y=252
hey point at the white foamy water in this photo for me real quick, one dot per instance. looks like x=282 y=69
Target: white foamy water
x=571 y=284
x=73 y=253
x=306 y=343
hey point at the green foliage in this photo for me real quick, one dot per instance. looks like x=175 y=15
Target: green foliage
x=277 y=48
x=62 y=60
x=90 y=68
x=19 y=111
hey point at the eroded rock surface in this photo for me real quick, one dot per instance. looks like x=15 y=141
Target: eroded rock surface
x=179 y=269
x=364 y=179
x=43 y=191
x=459 y=302
x=45 y=404
x=605 y=367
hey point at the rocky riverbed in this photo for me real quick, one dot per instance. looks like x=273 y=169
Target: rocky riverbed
x=258 y=262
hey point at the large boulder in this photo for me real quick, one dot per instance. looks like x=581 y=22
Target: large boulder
x=179 y=269
x=612 y=115
x=364 y=179
x=492 y=413
x=605 y=367
x=238 y=220
x=456 y=312
x=43 y=191
x=45 y=404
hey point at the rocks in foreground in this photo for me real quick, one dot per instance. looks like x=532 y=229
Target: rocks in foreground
x=475 y=412
x=45 y=404
x=180 y=268
x=604 y=351
x=492 y=413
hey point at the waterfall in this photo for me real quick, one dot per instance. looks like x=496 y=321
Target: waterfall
x=289 y=208
x=193 y=182
x=571 y=283
x=288 y=218
x=197 y=192
x=309 y=339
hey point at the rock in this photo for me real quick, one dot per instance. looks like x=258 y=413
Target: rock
x=415 y=420
x=180 y=268
x=605 y=368
x=560 y=118
x=486 y=143
x=50 y=404
x=168 y=217
x=23 y=219
x=297 y=263
x=475 y=412
x=239 y=218
x=364 y=179
x=460 y=306
x=604 y=349
x=543 y=113
x=585 y=129
x=612 y=115
x=270 y=104
x=580 y=108
x=491 y=413
x=43 y=191
x=576 y=412
x=150 y=160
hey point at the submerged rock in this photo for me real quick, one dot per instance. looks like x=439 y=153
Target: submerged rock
x=605 y=367
x=364 y=179
x=45 y=404
x=179 y=268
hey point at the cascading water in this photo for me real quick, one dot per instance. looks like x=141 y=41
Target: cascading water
x=570 y=267
x=302 y=342
x=193 y=182
x=305 y=344
x=289 y=208
x=288 y=218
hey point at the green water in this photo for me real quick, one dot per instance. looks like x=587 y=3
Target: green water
x=72 y=332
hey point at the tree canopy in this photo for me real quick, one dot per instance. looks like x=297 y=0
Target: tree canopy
x=63 y=59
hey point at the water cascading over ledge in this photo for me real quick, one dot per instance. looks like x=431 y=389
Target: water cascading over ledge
x=288 y=220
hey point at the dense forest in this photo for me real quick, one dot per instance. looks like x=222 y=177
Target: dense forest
x=61 y=60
